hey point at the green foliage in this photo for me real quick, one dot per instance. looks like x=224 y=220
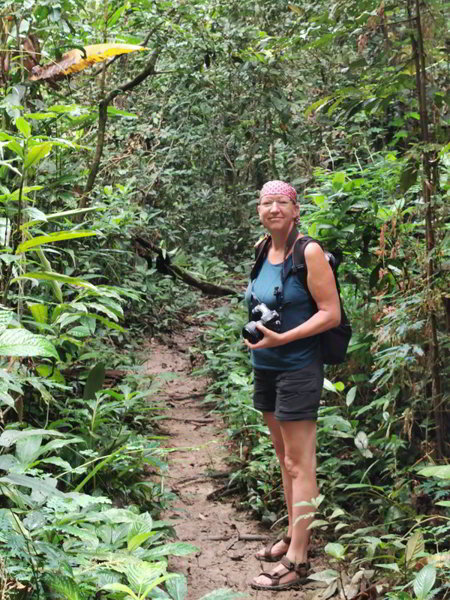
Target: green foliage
x=320 y=94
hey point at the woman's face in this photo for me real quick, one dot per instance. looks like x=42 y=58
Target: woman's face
x=277 y=212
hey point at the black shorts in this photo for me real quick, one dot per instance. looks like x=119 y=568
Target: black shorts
x=291 y=395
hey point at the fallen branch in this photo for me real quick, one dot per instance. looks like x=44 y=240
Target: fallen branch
x=222 y=491
x=177 y=272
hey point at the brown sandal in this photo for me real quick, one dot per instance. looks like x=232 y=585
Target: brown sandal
x=268 y=556
x=301 y=571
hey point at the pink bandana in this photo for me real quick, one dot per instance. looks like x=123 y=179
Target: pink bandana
x=278 y=187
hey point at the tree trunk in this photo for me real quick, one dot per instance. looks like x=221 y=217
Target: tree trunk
x=429 y=184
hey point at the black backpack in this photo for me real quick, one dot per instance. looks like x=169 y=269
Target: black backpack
x=334 y=342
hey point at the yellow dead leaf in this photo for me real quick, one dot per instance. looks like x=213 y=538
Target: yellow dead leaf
x=75 y=61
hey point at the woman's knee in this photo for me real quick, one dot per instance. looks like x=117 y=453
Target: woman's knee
x=300 y=467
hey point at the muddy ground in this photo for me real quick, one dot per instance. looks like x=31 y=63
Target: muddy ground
x=203 y=514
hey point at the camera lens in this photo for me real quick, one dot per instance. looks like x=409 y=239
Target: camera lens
x=251 y=333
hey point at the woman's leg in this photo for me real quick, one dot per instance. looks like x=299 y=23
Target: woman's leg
x=278 y=443
x=300 y=463
x=299 y=443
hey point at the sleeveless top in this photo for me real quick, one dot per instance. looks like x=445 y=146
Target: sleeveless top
x=297 y=308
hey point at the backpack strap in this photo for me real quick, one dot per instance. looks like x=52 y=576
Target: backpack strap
x=261 y=250
x=299 y=264
x=298 y=253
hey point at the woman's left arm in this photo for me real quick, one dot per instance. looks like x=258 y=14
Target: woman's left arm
x=322 y=285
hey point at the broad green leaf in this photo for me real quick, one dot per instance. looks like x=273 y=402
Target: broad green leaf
x=362 y=443
x=142 y=573
x=28 y=449
x=223 y=594
x=116 y=112
x=97 y=468
x=424 y=582
x=11 y=436
x=38 y=215
x=15 y=147
x=441 y=471
x=327 y=576
x=20 y=342
x=119 y=587
x=157 y=582
x=49 y=276
x=177 y=587
x=94 y=382
x=173 y=548
x=65 y=587
x=336 y=550
x=141 y=524
x=58 y=462
x=349 y=399
x=338 y=179
x=329 y=386
x=6 y=317
x=50 y=372
x=39 y=312
x=317 y=104
x=7 y=399
x=138 y=540
x=37 y=153
x=40 y=116
x=330 y=591
x=317 y=523
x=23 y=126
x=53 y=237
x=15 y=195
x=414 y=546
x=36 y=485
x=389 y=566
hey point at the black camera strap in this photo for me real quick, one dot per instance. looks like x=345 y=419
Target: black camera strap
x=279 y=293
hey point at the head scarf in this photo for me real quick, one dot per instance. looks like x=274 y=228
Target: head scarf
x=278 y=187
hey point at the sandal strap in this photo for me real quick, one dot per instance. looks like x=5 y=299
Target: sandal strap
x=274 y=577
x=301 y=569
x=270 y=545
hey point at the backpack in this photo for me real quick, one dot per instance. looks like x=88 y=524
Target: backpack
x=333 y=342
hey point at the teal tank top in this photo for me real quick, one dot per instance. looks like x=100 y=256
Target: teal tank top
x=297 y=308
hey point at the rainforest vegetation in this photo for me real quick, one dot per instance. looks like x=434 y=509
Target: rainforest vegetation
x=134 y=137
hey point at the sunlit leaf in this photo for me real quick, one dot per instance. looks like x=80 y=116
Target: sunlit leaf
x=51 y=238
x=441 y=471
x=36 y=485
x=39 y=312
x=177 y=587
x=424 y=582
x=335 y=550
x=37 y=153
x=49 y=276
x=76 y=60
x=23 y=126
x=414 y=547
x=21 y=342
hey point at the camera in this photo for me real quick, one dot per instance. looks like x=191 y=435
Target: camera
x=264 y=316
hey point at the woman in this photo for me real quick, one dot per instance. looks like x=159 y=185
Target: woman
x=288 y=373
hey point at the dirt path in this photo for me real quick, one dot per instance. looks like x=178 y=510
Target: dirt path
x=203 y=514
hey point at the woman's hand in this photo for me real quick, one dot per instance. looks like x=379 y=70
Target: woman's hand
x=271 y=339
